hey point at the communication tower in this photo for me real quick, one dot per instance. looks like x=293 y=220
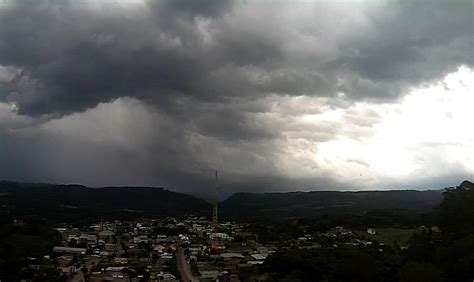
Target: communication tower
x=216 y=200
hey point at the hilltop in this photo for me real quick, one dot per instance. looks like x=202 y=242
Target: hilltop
x=63 y=203
x=59 y=202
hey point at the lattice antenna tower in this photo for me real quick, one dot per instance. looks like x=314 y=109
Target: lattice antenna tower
x=216 y=200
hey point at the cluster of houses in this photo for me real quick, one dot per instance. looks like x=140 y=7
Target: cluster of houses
x=172 y=249
x=224 y=252
x=148 y=250
x=117 y=251
x=334 y=238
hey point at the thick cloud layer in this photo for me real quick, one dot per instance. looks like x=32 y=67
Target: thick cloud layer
x=163 y=92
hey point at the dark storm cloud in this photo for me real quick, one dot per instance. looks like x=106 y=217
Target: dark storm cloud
x=211 y=74
x=413 y=42
x=74 y=59
x=207 y=8
x=75 y=56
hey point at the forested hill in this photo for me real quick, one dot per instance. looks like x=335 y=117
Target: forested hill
x=328 y=202
x=71 y=202
x=66 y=203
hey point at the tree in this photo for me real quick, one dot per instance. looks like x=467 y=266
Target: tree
x=456 y=211
x=448 y=255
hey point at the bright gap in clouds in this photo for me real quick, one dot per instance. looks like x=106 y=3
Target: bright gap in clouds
x=428 y=134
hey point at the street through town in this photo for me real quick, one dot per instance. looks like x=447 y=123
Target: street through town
x=184 y=267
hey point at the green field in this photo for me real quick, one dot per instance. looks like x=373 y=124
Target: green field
x=389 y=236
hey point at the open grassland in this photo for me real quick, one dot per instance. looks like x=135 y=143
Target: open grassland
x=389 y=236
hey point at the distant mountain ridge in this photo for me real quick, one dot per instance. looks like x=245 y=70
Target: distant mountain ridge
x=328 y=202
x=65 y=201
x=57 y=201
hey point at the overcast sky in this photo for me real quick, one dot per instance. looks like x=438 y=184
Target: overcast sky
x=275 y=95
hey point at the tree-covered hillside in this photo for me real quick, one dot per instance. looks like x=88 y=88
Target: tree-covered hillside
x=318 y=203
x=66 y=203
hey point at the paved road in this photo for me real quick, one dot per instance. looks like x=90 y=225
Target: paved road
x=184 y=267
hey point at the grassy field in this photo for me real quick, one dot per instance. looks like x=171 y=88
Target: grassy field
x=389 y=236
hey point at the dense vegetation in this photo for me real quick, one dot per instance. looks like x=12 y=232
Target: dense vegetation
x=434 y=255
x=23 y=243
x=387 y=208
x=341 y=264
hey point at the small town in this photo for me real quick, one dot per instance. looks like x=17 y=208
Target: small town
x=236 y=140
x=172 y=249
